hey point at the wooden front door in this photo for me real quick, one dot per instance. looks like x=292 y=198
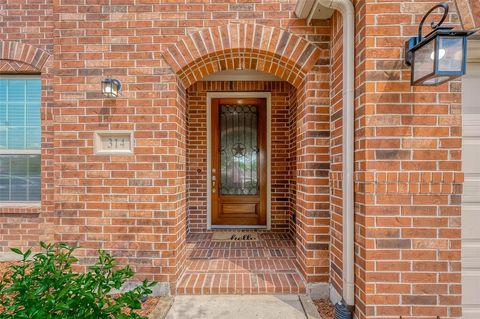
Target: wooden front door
x=239 y=161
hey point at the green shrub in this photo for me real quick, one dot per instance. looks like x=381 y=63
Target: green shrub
x=44 y=286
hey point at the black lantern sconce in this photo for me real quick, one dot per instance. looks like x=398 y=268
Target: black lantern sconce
x=111 y=87
x=440 y=56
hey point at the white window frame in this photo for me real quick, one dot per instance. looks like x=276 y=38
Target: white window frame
x=22 y=151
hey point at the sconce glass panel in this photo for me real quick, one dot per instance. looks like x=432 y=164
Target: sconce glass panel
x=423 y=62
x=451 y=52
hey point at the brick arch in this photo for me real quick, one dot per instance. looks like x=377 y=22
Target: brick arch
x=17 y=57
x=242 y=46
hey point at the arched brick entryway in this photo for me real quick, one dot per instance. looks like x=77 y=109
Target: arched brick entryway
x=292 y=59
x=242 y=46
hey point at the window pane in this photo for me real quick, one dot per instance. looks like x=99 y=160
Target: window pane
x=19 y=167
x=16 y=137
x=3 y=112
x=3 y=91
x=20 y=178
x=18 y=188
x=32 y=115
x=3 y=137
x=34 y=166
x=20 y=130
x=16 y=90
x=3 y=116
x=4 y=178
x=4 y=186
x=20 y=114
x=33 y=90
x=16 y=114
x=33 y=137
x=34 y=189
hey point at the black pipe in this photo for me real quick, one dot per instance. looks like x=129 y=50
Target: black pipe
x=343 y=311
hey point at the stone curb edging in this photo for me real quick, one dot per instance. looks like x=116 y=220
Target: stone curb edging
x=162 y=308
x=309 y=307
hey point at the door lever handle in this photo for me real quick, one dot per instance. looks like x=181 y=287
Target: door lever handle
x=214 y=186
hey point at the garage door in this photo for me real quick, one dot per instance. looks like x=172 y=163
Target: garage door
x=471 y=196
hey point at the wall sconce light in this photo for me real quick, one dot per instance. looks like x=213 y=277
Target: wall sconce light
x=438 y=57
x=111 y=87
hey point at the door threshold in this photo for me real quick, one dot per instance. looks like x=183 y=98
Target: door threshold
x=238 y=227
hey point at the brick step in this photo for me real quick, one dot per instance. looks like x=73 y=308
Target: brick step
x=225 y=253
x=265 y=266
x=240 y=265
x=196 y=237
x=261 y=244
x=240 y=283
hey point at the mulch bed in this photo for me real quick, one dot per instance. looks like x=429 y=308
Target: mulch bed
x=4 y=266
x=147 y=307
x=325 y=308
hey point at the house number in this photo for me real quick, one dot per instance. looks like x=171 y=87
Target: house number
x=116 y=143
x=113 y=142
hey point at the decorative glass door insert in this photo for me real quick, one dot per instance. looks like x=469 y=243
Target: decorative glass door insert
x=238 y=149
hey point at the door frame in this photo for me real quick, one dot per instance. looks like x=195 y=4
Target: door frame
x=216 y=95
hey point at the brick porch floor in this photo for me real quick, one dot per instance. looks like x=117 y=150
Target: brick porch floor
x=265 y=266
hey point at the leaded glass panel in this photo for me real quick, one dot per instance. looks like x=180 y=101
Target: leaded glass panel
x=238 y=150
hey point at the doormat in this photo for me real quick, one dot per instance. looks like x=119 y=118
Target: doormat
x=235 y=236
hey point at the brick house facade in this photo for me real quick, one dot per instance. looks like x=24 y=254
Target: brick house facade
x=141 y=207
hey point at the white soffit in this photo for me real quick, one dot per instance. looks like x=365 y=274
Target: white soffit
x=303 y=8
x=241 y=75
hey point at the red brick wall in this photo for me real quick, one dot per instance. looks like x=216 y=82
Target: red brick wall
x=281 y=157
x=135 y=206
x=292 y=165
x=177 y=228
x=469 y=13
x=408 y=174
x=408 y=179
x=360 y=96
x=26 y=45
x=132 y=205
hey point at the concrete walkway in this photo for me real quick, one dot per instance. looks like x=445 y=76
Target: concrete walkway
x=237 y=307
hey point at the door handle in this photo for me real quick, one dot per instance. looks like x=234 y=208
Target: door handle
x=214 y=186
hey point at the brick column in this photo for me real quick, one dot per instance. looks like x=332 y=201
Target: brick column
x=408 y=175
x=312 y=184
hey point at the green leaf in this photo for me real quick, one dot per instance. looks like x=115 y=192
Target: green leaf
x=27 y=254
x=16 y=251
x=62 y=306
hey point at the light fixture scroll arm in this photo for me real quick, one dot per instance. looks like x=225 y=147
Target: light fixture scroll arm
x=434 y=25
x=118 y=83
